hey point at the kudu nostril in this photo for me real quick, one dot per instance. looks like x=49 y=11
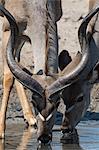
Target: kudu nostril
x=45 y=139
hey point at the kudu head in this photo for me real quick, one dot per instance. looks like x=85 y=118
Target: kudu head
x=47 y=91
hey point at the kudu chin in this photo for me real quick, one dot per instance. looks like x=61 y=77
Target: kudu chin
x=71 y=84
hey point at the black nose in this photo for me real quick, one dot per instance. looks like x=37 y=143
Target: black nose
x=45 y=138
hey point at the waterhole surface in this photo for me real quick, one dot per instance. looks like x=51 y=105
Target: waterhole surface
x=18 y=138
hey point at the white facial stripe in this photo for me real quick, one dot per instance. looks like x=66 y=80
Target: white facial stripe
x=43 y=119
x=49 y=117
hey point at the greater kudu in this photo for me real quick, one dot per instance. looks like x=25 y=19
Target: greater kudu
x=36 y=20
x=71 y=84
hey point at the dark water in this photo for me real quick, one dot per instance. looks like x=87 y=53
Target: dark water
x=18 y=138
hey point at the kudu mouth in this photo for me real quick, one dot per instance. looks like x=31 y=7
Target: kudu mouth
x=45 y=139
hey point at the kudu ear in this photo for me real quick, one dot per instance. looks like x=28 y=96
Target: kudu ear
x=64 y=59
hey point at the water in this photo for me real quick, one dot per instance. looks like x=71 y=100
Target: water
x=18 y=138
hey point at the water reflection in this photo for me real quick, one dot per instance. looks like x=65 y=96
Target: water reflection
x=44 y=147
x=63 y=147
x=1 y=144
x=28 y=141
x=71 y=147
x=20 y=139
x=26 y=137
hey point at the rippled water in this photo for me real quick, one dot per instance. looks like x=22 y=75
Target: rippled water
x=25 y=139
